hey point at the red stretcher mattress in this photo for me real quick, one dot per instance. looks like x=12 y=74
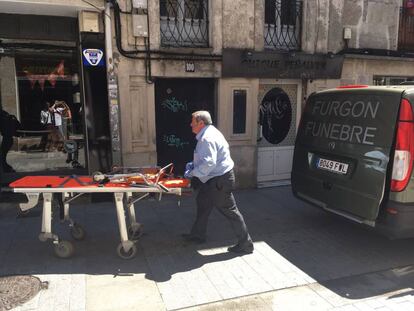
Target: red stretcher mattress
x=84 y=181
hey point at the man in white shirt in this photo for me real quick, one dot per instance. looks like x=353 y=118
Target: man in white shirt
x=212 y=169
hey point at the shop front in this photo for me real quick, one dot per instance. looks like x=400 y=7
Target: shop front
x=50 y=135
x=45 y=115
x=281 y=79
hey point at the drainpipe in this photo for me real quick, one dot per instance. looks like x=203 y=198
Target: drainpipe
x=113 y=96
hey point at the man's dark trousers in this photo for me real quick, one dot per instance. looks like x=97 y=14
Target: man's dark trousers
x=217 y=192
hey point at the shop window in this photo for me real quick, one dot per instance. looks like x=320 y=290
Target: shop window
x=51 y=137
x=239 y=111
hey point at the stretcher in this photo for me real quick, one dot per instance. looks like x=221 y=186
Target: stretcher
x=127 y=189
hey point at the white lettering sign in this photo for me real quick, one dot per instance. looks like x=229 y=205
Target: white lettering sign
x=346 y=110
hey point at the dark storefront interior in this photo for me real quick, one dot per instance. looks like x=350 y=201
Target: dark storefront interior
x=41 y=80
x=61 y=105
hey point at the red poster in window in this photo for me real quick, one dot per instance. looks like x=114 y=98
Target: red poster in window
x=41 y=74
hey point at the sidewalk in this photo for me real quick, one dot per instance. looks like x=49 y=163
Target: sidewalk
x=304 y=259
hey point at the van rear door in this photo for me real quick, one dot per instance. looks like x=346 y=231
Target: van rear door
x=343 y=148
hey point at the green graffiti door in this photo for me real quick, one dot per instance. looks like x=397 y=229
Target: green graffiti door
x=175 y=100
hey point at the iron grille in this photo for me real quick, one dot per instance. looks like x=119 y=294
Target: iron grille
x=184 y=23
x=283 y=24
x=406 y=29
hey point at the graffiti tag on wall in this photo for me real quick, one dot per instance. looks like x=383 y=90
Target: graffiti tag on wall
x=174 y=105
x=174 y=141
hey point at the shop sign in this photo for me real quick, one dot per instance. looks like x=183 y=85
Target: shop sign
x=93 y=57
x=281 y=65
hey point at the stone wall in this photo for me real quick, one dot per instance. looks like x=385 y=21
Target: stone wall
x=373 y=24
x=233 y=24
x=8 y=85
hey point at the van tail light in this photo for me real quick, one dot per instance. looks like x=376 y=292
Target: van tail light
x=404 y=148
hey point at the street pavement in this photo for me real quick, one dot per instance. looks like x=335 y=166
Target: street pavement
x=304 y=259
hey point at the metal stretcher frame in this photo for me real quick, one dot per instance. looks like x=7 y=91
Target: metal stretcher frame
x=64 y=249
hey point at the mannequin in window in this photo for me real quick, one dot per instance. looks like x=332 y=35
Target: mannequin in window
x=51 y=118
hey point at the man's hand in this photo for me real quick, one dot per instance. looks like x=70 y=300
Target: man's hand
x=189 y=166
x=188 y=170
x=188 y=174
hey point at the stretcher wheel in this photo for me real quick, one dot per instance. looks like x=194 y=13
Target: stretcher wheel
x=135 y=234
x=21 y=213
x=64 y=249
x=43 y=237
x=77 y=232
x=98 y=176
x=126 y=255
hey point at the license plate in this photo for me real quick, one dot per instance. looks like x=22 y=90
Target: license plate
x=332 y=166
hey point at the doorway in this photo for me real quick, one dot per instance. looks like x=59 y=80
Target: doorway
x=175 y=101
x=279 y=114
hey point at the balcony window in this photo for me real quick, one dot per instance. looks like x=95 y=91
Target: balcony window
x=184 y=23
x=406 y=27
x=283 y=24
x=393 y=80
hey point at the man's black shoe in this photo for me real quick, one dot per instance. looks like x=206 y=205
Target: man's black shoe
x=241 y=250
x=191 y=238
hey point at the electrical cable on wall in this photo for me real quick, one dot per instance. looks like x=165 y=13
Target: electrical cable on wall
x=147 y=57
x=148 y=74
x=318 y=12
x=169 y=55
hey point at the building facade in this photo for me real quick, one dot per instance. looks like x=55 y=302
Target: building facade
x=251 y=63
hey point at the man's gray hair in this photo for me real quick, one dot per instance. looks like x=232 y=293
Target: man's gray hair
x=204 y=116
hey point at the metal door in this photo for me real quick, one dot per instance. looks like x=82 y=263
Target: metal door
x=175 y=100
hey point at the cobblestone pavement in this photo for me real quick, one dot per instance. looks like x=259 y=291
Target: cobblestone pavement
x=304 y=259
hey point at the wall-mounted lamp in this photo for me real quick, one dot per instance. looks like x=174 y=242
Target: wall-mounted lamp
x=347 y=35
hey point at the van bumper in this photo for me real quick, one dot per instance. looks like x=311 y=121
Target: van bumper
x=397 y=225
